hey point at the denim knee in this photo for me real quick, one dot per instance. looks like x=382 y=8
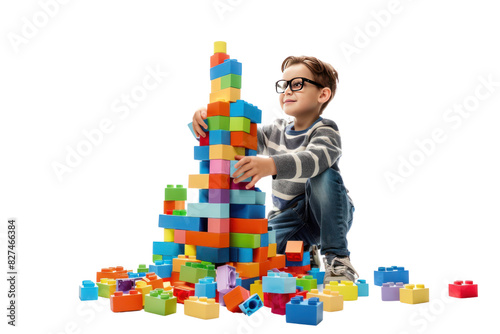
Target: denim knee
x=324 y=183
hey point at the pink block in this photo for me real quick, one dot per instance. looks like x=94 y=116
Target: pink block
x=218 y=166
x=239 y=185
x=180 y=236
x=218 y=225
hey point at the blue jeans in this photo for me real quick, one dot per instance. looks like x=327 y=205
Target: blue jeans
x=322 y=217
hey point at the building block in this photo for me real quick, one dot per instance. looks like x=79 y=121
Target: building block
x=243 y=139
x=167 y=248
x=244 y=109
x=296 y=271
x=460 y=290
x=260 y=197
x=208 y=210
x=362 y=288
x=390 y=274
x=244 y=254
x=272 y=236
x=225 y=152
x=198 y=181
x=88 y=290
x=251 y=305
x=277 y=261
x=220 y=47
x=318 y=275
x=235 y=297
x=112 y=272
x=218 y=108
x=277 y=302
x=247 y=211
x=260 y=254
x=179 y=193
x=346 y=288
x=219 y=137
x=142 y=268
x=154 y=280
x=240 y=186
x=307 y=282
x=218 y=123
x=414 y=295
x=180 y=237
x=168 y=236
x=162 y=268
x=229 y=94
x=250 y=153
x=201 y=152
x=332 y=300
x=218 y=58
x=239 y=124
x=160 y=302
x=251 y=226
x=183 y=292
x=202 y=308
x=121 y=302
x=272 y=250
x=250 y=269
x=193 y=272
x=305 y=312
x=219 y=166
x=242 y=196
x=226 y=277
x=144 y=289
x=215 y=85
x=278 y=282
x=248 y=195
x=294 y=250
x=230 y=80
x=204 y=169
x=244 y=240
x=207 y=239
x=206 y=181
x=173 y=205
x=182 y=223
x=124 y=284
x=204 y=141
x=212 y=254
x=229 y=66
x=206 y=287
x=203 y=195
x=218 y=225
x=256 y=288
x=306 y=259
x=390 y=291
x=190 y=249
x=106 y=287
x=182 y=260
x=218 y=195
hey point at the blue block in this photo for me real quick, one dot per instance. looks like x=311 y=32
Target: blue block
x=203 y=195
x=260 y=198
x=245 y=282
x=305 y=312
x=306 y=259
x=183 y=223
x=238 y=279
x=251 y=305
x=233 y=254
x=229 y=66
x=278 y=282
x=219 y=137
x=237 y=196
x=242 y=108
x=201 y=152
x=190 y=126
x=206 y=287
x=208 y=210
x=205 y=167
x=245 y=255
x=362 y=288
x=211 y=254
x=162 y=268
x=317 y=274
x=272 y=236
x=233 y=170
x=264 y=240
x=391 y=274
x=250 y=153
x=167 y=248
x=88 y=290
x=248 y=211
x=136 y=275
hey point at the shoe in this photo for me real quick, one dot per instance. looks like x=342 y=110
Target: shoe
x=315 y=258
x=339 y=269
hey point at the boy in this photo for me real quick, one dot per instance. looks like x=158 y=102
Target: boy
x=309 y=197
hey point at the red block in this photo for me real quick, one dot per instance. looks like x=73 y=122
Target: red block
x=460 y=290
x=277 y=302
x=124 y=303
x=183 y=292
x=235 y=297
x=294 y=250
x=218 y=58
x=218 y=108
x=205 y=141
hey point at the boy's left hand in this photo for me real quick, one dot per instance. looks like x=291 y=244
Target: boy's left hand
x=254 y=167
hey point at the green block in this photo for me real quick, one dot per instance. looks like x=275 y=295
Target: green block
x=230 y=80
x=192 y=272
x=239 y=124
x=143 y=268
x=244 y=240
x=160 y=302
x=179 y=212
x=307 y=282
x=218 y=123
x=178 y=193
x=105 y=290
x=157 y=257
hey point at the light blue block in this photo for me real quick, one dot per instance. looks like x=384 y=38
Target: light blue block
x=205 y=167
x=219 y=137
x=272 y=237
x=237 y=196
x=206 y=287
x=260 y=198
x=88 y=290
x=190 y=126
x=242 y=108
x=167 y=248
x=229 y=66
x=250 y=153
x=183 y=223
x=251 y=305
x=305 y=312
x=162 y=268
x=245 y=254
x=278 y=282
x=318 y=275
x=208 y=210
x=306 y=259
x=362 y=288
x=264 y=240
x=233 y=170
x=202 y=152
x=203 y=195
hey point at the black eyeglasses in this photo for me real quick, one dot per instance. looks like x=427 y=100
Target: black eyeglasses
x=295 y=84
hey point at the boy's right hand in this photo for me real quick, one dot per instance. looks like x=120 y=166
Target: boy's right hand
x=198 y=117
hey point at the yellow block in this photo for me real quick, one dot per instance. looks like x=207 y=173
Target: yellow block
x=332 y=300
x=346 y=288
x=168 y=287
x=203 y=308
x=190 y=250
x=199 y=181
x=219 y=47
x=216 y=85
x=271 y=250
x=411 y=295
x=230 y=94
x=144 y=289
x=168 y=235
x=256 y=288
x=181 y=260
x=224 y=152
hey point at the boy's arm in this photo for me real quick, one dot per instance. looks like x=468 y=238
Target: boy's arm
x=263 y=133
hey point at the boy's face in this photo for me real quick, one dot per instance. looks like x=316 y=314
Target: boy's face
x=304 y=102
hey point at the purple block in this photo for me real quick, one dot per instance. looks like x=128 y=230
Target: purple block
x=218 y=195
x=390 y=292
x=226 y=278
x=125 y=284
x=222 y=293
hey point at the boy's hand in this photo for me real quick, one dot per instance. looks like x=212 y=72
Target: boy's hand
x=254 y=167
x=199 y=116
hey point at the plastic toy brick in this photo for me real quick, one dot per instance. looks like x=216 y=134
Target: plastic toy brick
x=460 y=290
x=252 y=226
x=278 y=282
x=226 y=277
x=318 y=275
x=203 y=195
x=229 y=66
x=112 y=272
x=412 y=294
x=167 y=248
x=218 y=58
x=227 y=94
x=193 y=272
x=120 y=302
x=220 y=47
x=264 y=267
x=219 y=137
x=157 y=257
x=124 y=284
x=173 y=205
x=205 y=141
x=260 y=198
x=248 y=211
x=190 y=126
x=244 y=109
x=251 y=305
x=296 y=271
x=294 y=250
x=244 y=240
x=218 y=108
x=190 y=249
x=332 y=300
x=277 y=302
x=183 y=292
x=272 y=250
x=391 y=274
x=180 y=237
x=202 y=308
x=154 y=280
x=250 y=153
x=239 y=124
x=346 y=288
x=142 y=268
x=218 y=123
x=256 y=288
x=207 y=239
x=218 y=166
x=179 y=193
x=201 y=152
x=182 y=223
x=168 y=236
x=179 y=212
x=88 y=290
x=363 y=290
x=240 y=186
x=390 y=291
x=215 y=85
x=106 y=287
x=260 y=254
x=198 y=181
x=206 y=287
x=307 y=282
x=208 y=210
x=277 y=261
x=230 y=80
x=162 y=268
x=144 y=289
x=225 y=152
x=306 y=259
x=204 y=167
x=306 y=312
x=243 y=139
x=218 y=225
x=243 y=254
x=218 y=195
x=218 y=181
x=247 y=193
x=160 y=302
x=235 y=297
x=247 y=269
x=272 y=236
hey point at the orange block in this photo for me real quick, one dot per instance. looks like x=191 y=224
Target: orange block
x=112 y=272
x=247 y=269
x=260 y=254
x=235 y=297
x=294 y=250
x=278 y=262
x=173 y=205
x=243 y=139
x=124 y=303
x=253 y=129
x=218 y=181
x=252 y=226
x=219 y=108
x=174 y=278
x=218 y=58
x=207 y=239
x=153 y=280
x=264 y=267
x=298 y=270
x=180 y=261
x=272 y=250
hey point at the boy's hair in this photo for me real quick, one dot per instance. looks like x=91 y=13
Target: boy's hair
x=323 y=73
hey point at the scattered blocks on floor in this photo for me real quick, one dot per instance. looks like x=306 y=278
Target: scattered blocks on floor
x=390 y=291
x=317 y=274
x=412 y=294
x=332 y=300
x=88 y=290
x=106 y=287
x=160 y=302
x=305 y=312
x=251 y=305
x=121 y=302
x=294 y=250
x=307 y=282
x=363 y=290
x=226 y=277
x=256 y=288
x=202 y=308
x=206 y=287
x=278 y=282
x=346 y=288
x=460 y=290
x=162 y=268
x=144 y=289
x=235 y=297
x=391 y=274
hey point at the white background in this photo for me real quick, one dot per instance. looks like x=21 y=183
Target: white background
x=413 y=61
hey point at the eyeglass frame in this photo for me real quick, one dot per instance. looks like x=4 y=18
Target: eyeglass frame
x=289 y=82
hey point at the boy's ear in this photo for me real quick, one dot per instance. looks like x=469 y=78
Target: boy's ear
x=324 y=95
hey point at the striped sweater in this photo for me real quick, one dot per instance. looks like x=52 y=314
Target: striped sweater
x=298 y=155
